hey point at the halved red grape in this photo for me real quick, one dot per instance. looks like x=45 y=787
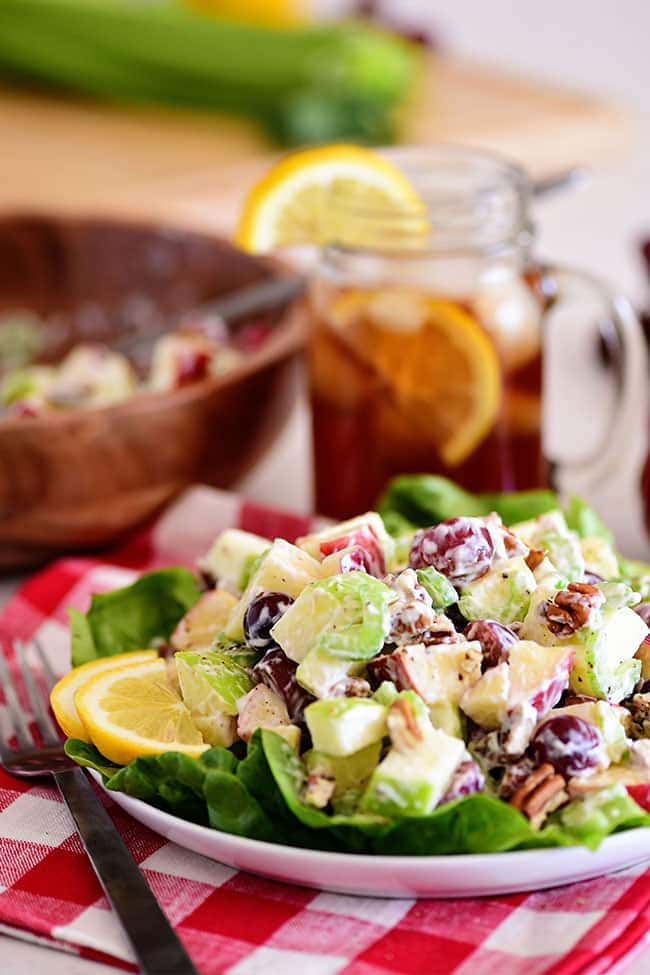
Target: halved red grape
x=568 y=743
x=495 y=639
x=260 y=617
x=592 y=577
x=461 y=548
x=466 y=780
x=279 y=674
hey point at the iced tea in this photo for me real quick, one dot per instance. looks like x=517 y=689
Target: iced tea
x=407 y=379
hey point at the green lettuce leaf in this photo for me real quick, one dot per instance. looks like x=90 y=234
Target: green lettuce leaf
x=475 y=824
x=603 y=812
x=260 y=796
x=581 y=518
x=133 y=617
x=232 y=809
x=426 y=499
x=87 y=755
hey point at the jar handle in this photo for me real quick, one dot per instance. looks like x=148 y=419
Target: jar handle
x=624 y=443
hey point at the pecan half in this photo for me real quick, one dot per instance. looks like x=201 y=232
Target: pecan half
x=412 y=616
x=534 y=558
x=505 y=746
x=512 y=544
x=571 y=608
x=403 y=726
x=541 y=793
x=514 y=777
x=639 y=708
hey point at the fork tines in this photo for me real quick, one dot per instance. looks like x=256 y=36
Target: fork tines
x=18 y=720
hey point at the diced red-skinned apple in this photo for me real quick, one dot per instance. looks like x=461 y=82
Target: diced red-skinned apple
x=634 y=780
x=203 y=621
x=352 y=559
x=365 y=531
x=364 y=539
x=486 y=702
x=263 y=708
x=538 y=675
x=534 y=675
x=640 y=794
x=440 y=672
x=179 y=359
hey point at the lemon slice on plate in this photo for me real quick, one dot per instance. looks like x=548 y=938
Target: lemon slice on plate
x=135 y=710
x=63 y=692
x=291 y=204
x=437 y=364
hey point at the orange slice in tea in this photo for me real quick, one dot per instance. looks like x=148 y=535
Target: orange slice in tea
x=435 y=360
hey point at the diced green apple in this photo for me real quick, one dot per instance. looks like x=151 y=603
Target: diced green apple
x=386 y=693
x=447 y=716
x=349 y=772
x=230 y=555
x=284 y=568
x=599 y=557
x=412 y=783
x=210 y=681
x=565 y=552
x=550 y=532
x=549 y=521
x=319 y=672
x=502 y=594
x=211 y=685
x=346 y=616
x=344 y=725
x=547 y=576
x=605 y=665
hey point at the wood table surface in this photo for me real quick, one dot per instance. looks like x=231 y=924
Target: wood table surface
x=73 y=154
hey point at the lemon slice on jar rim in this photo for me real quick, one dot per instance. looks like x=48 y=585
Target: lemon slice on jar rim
x=291 y=204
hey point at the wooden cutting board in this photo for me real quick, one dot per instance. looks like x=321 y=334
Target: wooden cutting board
x=79 y=155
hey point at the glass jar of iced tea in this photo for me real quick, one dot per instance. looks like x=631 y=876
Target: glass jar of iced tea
x=428 y=335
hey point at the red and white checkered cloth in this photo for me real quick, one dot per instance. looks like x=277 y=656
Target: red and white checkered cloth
x=236 y=923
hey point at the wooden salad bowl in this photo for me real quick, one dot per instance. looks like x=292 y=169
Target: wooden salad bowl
x=82 y=478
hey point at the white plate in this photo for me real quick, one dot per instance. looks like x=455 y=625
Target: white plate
x=471 y=875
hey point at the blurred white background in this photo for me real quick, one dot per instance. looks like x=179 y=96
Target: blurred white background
x=600 y=47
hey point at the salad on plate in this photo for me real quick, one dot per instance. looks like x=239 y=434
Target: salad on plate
x=452 y=674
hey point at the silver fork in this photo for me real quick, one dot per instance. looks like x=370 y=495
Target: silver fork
x=156 y=946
